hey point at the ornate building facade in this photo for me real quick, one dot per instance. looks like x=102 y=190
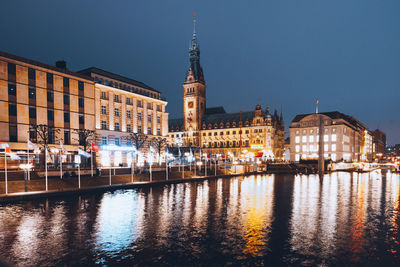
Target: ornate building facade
x=246 y=133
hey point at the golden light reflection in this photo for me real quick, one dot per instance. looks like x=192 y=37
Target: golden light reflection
x=395 y=190
x=257 y=210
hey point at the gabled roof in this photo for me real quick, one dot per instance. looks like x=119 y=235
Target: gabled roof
x=333 y=115
x=118 y=77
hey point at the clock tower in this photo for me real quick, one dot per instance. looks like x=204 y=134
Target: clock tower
x=194 y=95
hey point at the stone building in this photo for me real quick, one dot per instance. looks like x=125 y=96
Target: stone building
x=256 y=133
x=344 y=137
x=124 y=106
x=33 y=93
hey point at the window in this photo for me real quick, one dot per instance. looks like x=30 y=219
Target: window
x=116 y=126
x=66 y=99
x=233 y=132
x=103 y=95
x=67 y=137
x=305 y=148
x=49 y=78
x=304 y=139
x=149 y=130
x=104 y=140
x=66 y=117
x=149 y=118
x=221 y=133
x=116 y=112
x=128 y=114
x=139 y=116
x=247 y=131
x=66 y=82
x=50 y=96
x=139 y=129
x=12 y=89
x=51 y=136
x=103 y=110
x=139 y=103
x=297 y=139
x=333 y=137
x=11 y=69
x=117 y=141
x=209 y=134
x=149 y=106
x=158 y=108
x=12 y=109
x=128 y=100
x=333 y=147
x=32 y=135
x=128 y=128
x=32 y=112
x=80 y=86
x=311 y=138
x=13 y=131
x=326 y=138
x=103 y=125
x=81 y=102
x=31 y=74
x=215 y=133
x=158 y=119
x=204 y=134
x=81 y=119
x=297 y=148
x=32 y=93
x=326 y=147
x=50 y=115
x=158 y=132
x=116 y=98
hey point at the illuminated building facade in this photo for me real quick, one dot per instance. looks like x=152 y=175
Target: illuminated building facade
x=33 y=93
x=124 y=106
x=215 y=131
x=379 y=146
x=344 y=137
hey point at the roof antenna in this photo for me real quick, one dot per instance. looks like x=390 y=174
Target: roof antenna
x=316 y=108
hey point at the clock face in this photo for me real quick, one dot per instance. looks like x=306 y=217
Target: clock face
x=190 y=104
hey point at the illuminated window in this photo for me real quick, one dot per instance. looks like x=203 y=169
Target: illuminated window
x=333 y=157
x=297 y=148
x=311 y=138
x=117 y=141
x=326 y=138
x=103 y=110
x=116 y=127
x=333 y=147
x=311 y=148
x=297 y=139
x=304 y=139
x=325 y=147
x=297 y=157
x=305 y=148
x=333 y=137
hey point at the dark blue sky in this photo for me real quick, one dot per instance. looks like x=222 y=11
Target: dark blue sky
x=280 y=53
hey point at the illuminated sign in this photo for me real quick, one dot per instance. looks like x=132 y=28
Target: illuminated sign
x=117 y=148
x=257 y=146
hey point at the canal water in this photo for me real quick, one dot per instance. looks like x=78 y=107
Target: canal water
x=275 y=220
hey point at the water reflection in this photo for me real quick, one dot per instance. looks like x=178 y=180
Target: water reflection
x=336 y=219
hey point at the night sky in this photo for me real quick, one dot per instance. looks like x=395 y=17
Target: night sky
x=279 y=53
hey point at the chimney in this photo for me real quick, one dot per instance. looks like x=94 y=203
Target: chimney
x=61 y=64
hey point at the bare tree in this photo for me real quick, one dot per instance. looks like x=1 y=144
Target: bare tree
x=85 y=138
x=137 y=140
x=159 y=144
x=43 y=135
